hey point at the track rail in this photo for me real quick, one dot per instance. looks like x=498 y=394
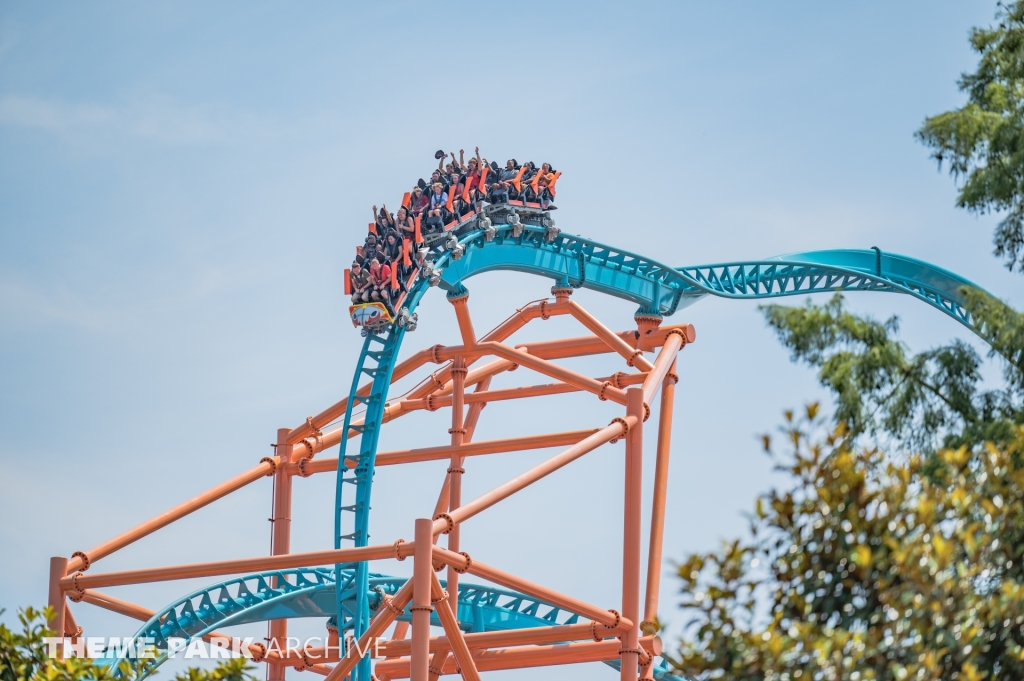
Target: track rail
x=313 y=592
x=524 y=240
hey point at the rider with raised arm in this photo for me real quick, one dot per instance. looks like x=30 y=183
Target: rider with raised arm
x=383 y=221
x=473 y=191
x=405 y=225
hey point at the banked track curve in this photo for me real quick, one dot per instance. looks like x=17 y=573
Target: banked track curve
x=524 y=240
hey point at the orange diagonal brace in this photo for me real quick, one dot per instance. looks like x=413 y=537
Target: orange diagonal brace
x=108 y=602
x=554 y=371
x=377 y=627
x=633 y=356
x=82 y=560
x=608 y=618
x=588 y=444
x=337 y=409
x=666 y=358
x=71 y=627
x=451 y=627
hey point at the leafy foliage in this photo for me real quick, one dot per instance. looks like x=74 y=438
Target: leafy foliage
x=870 y=568
x=983 y=141
x=920 y=400
x=23 y=657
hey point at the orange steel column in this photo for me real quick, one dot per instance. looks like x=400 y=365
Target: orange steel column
x=668 y=392
x=422 y=571
x=281 y=539
x=461 y=304
x=455 y=469
x=646 y=323
x=630 y=651
x=58 y=569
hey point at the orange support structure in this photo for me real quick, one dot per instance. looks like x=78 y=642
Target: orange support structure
x=630 y=654
x=623 y=633
x=529 y=656
x=423 y=572
x=281 y=533
x=668 y=392
x=58 y=568
x=455 y=469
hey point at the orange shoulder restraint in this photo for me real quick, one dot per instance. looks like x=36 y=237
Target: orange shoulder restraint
x=348 y=282
x=518 y=179
x=419 y=236
x=407 y=199
x=551 y=184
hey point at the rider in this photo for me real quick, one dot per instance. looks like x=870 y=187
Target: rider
x=383 y=221
x=436 y=210
x=404 y=223
x=380 y=277
x=497 y=191
x=370 y=250
x=394 y=251
x=419 y=201
x=361 y=284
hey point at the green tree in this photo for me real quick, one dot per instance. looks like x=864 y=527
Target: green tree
x=23 y=657
x=895 y=549
x=867 y=567
x=983 y=141
x=916 y=401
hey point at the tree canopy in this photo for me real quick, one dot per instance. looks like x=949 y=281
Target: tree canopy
x=895 y=548
x=23 y=657
x=867 y=567
x=983 y=141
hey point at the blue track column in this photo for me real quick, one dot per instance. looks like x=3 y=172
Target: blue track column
x=376 y=361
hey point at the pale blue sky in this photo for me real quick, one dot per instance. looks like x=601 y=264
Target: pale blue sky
x=181 y=185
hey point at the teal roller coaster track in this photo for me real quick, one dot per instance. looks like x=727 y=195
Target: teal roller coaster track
x=523 y=240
